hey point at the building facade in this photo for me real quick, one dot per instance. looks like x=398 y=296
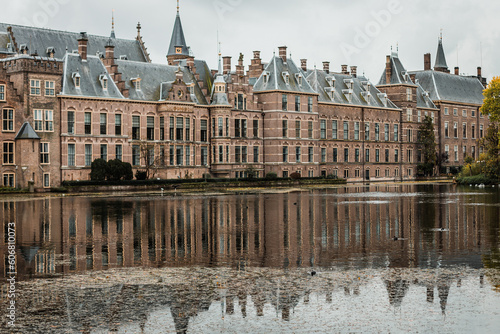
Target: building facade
x=87 y=97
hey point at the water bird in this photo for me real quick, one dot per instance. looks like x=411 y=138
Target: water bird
x=313 y=273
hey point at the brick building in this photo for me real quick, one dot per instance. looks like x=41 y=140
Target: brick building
x=69 y=98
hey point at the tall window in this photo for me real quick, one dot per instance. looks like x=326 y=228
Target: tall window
x=171 y=128
x=346 y=155
x=38 y=119
x=221 y=153
x=297 y=129
x=409 y=115
x=386 y=155
x=284 y=102
x=237 y=154
x=334 y=129
x=310 y=154
x=2 y=92
x=136 y=161
x=456 y=153
x=188 y=129
x=44 y=153
x=87 y=123
x=227 y=127
x=446 y=111
x=104 y=152
x=88 y=154
x=346 y=130
x=298 y=153
x=8 y=180
x=367 y=131
x=244 y=154
x=188 y=155
x=396 y=132
x=446 y=129
x=455 y=130
x=71 y=155
x=297 y=103
x=119 y=152
x=255 y=127
x=356 y=130
x=310 y=129
x=377 y=155
x=50 y=88
x=203 y=132
x=377 y=132
x=8 y=153
x=179 y=128
x=150 y=128
x=396 y=155
x=46 y=180
x=103 y=123
x=8 y=120
x=179 y=153
x=473 y=131
x=455 y=112
x=356 y=155
x=323 y=154
x=285 y=128
x=309 y=104
x=49 y=120
x=481 y=130
x=34 y=87
x=322 y=125
x=136 y=127
x=409 y=95
x=43 y=120
x=464 y=130
x=71 y=122
x=204 y=156
x=285 y=154
x=220 y=126
x=409 y=157
x=335 y=155
x=118 y=125
x=240 y=128
x=255 y=154
x=367 y=155
x=386 y=134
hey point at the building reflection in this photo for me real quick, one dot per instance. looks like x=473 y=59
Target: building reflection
x=351 y=227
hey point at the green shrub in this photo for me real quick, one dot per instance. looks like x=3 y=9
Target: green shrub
x=295 y=176
x=99 y=170
x=271 y=176
x=141 y=175
x=476 y=179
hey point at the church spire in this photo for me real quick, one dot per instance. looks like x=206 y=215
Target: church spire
x=178 y=46
x=441 y=64
x=113 y=24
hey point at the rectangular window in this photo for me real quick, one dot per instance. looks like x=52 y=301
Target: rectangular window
x=298 y=153
x=172 y=156
x=8 y=153
x=171 y=128
x=71 y=155
x=377 y=155
x=356 y=130
x=88 y=155
x=310 y=129
x=49 y=120
x=50 y=88
x=455 y=112
x=309 y=104
x=464 y=152
x=356 y=173
x=455 y=130
x=179 y=128
x=446 y=111
x=409 y=115
x=464 y=130
x=446 y=129
x=71 y=122
x=203 y=131
x=255 y=128
x=255 y=154
x=103 y=123
x=386 y=132
x=244 y=154
x=136 y=158
x=419 y=116
x=8 y=180
x=346 y=155
x=346 y=173
x=285 y=154
x=386 y=155
x=409 y=156
x=204 y=156
x=162 y=128
x=38 y=119
x=227 y=154
x=396 y=132
x=322 y=125
x=34 y=87
x=367 y=155
x=310 y=154
x=323 y=154
x=334 y=129
x=240 y=101
x=473 y=131
x=377 y=132
x=188 y=155
x=150 y=128
x=227 y=127
x=188 y=129
x=409 y=95
x=104 y=152
x=46 y=180
x=179 y=155
x=88 y=123
x=44 y=153
x=356 y=155
x=297 y=103
x=2 y=92
x=8 y=120
x=284 y=131
x=447 y=151
x=473 y=152
x=221 y=154
x=297 y=129
x=367 y=131
x=346 y=130
x=136 y=127
x=456 y=153
x=220 y=126
x=237 y=154
x=284 y=102
x=396 y=155
x=335 y=155
x=481 y=130
x=464 y=113
x=119 y=152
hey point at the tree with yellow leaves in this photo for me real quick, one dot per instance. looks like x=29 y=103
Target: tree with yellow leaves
x=491 y=104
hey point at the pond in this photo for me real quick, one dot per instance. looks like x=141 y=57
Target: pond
x=378 y=258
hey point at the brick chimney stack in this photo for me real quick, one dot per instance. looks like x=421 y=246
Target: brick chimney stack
x=282 y=53
x=457 y=70
x=82 y=45
x=256 y=67
x=344 y=69
x=354 y=71
x=479 y=72
x=326 y=67
x=303 y=64
x=226 y=64
x=427 y=62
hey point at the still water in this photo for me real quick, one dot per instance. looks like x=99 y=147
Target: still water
x=386 y=258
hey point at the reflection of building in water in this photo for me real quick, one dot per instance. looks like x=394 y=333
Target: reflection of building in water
x=292 y=229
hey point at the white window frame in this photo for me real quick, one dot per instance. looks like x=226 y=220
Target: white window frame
x=35 y=89
x=50 y=88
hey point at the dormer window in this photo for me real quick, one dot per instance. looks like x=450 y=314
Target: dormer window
x=349 y=83
x=366 y=85
x=331 y=81
x=104 y=81
x=330 y=91
x=123 y=57
x=137 y=83
x=383 y=98
x=286 y=77
x=298 y=76
x=51 y=52
x=24 y=49
x=76 y=79
x=266 y=77
x=348 y=94
x=191 y=89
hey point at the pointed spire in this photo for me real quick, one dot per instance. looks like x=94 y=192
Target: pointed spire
x=441 y=64
x=220 y=56
x=178 y=44
x=178 y=7
x=113 y=24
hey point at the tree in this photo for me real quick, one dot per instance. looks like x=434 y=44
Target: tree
x=149 y=159
x=489 y=142
x=427 y=144
x=491 y=104
x=99 y=170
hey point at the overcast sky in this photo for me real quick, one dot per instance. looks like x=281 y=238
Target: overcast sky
x=358 y=32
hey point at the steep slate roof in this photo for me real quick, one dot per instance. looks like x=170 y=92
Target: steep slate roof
x=156 y=80
x=203 y=71
x=26 y=132
x=276 y=81
x=39 y=39
x=449 y=87
x=399 y=75
x=90 y=72
x=4 y=40
x=440 y=57
x=218 y=98
x=318 y=80
x=178 y=38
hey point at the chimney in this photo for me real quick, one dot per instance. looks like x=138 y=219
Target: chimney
x=344 y=69
x=479 y=72
x=256 y=67
x=413 y=78
x=388 y=70
x=303 y=64
x=190 y=64
x=457 y=70
x=282 y=53
x=427 y=62
x=226 y=64
x=326 y=66
x=82 y=45
x=354 y=71
x=240 y=70
x=109 y=50
x=256 y=55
